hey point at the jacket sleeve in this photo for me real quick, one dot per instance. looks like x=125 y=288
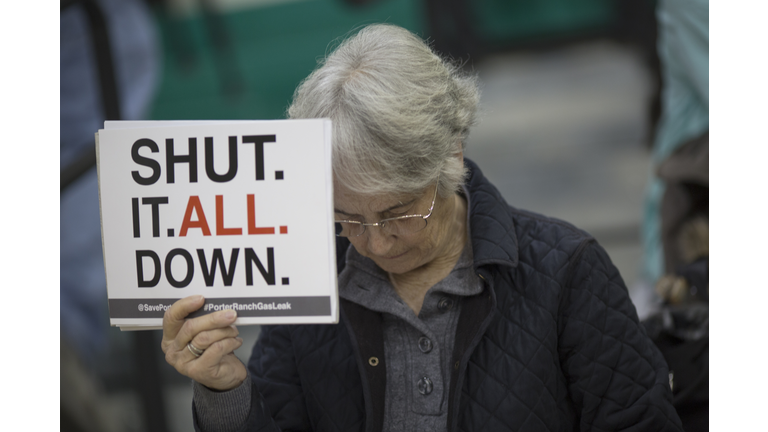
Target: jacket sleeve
x=617 y=378
x=220 y=411
x=277 y=399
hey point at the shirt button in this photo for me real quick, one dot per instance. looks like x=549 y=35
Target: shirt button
x=425 y=386
x=425 y=345
x=445 y=304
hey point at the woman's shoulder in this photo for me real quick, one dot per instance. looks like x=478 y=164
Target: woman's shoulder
x=536 y=229
x=502 y=231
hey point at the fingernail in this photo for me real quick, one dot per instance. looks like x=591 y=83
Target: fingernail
x=230 y=314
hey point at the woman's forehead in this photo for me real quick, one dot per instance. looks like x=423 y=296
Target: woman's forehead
x=355 y=203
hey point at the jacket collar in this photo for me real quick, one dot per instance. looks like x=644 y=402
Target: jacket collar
x=494 y=240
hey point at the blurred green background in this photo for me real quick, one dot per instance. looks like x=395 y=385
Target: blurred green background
x=242 y=59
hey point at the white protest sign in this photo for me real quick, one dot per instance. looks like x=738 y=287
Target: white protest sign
x=240 y=212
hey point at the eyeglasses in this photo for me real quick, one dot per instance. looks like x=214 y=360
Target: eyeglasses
x=401 y=225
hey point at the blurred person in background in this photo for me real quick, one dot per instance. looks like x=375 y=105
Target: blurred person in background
x=682 y=138
x=84 y=317
x=676 y=228
x=458 y=312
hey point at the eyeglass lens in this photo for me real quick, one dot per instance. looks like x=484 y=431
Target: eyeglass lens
x=394 y=227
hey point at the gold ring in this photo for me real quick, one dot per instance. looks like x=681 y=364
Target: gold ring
x=197 y=352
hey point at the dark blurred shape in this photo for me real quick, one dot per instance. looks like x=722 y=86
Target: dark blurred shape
x=682 y=335
x=684 y=339
x=466 y=31
x=683 y=46
x=681 y=329
x=108 y=68
x=81 y=408
x=636 y=25
x=361 y=2
x=103 y=54
x=685 y=202
x=451 y=30
x=497 y=25
x=676 y=225
x=179 y=36
x=149 y=383
x=108 y=86
x=230 y=75
x=84 y=105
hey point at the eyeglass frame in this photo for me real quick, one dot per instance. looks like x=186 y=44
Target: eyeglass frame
x=383 y=221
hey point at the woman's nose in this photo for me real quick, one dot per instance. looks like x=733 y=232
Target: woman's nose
x=379 y=242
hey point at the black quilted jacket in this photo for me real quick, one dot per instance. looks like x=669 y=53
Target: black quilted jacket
x=552 y=344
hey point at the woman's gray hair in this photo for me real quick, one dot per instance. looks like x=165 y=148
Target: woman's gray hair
x=400 y=112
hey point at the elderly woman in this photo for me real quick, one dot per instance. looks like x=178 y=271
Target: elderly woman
x=458 y=312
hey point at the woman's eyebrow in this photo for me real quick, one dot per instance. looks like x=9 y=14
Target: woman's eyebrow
x=400 y=204
x=343 y=212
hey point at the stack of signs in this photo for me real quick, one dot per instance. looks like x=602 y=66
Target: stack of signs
x=238 y=211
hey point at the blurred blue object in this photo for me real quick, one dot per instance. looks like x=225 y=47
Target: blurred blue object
x=135 y=52
x=683 y=48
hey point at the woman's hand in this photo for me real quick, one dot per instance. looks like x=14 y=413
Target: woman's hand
x=217 y=367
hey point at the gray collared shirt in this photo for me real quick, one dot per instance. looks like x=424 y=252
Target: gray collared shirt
x=418 y=349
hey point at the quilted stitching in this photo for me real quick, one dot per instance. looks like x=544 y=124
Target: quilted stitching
x=317 y=387
x=564 y=350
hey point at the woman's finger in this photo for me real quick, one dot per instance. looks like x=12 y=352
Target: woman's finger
x=205 y=339
x=214 y=354
x=218 y=368
x=202 y=367
x=192 y=327
x=176 y=315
